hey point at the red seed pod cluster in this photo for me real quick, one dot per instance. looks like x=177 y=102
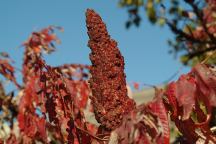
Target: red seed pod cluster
x=108 y=82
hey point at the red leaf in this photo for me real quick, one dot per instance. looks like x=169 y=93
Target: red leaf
x=30 y=123
x=206 y=83
x=191 y=89
x=11 y=140
x=41 y=128
x=7 y=70
x=171 y=98
x=157 y=107
x=185 y=94
x=136 y=85
x=70 y=131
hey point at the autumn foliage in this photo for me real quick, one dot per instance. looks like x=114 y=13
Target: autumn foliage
x=52 y=103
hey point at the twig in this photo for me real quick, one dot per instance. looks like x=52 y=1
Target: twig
x=87 y=132
x=208 y=57
x=173 y=76
x=198 y=53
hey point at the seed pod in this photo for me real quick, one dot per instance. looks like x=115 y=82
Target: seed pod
x=108 y=82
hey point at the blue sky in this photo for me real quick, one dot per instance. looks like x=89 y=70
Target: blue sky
x=145 y=48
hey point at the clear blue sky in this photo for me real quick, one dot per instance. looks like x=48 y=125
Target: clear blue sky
x=145 y=49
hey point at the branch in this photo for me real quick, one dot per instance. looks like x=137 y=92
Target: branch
x=199 y=15
x=201 y=52
x=185 y=35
